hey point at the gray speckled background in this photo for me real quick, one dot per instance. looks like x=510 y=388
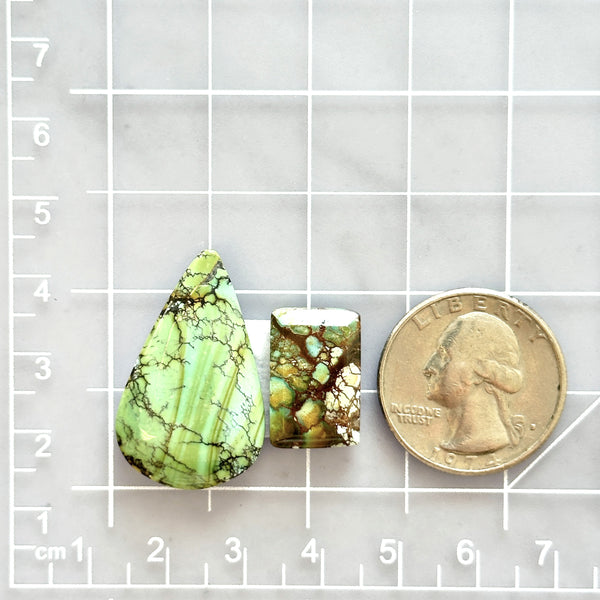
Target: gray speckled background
x=409 y=169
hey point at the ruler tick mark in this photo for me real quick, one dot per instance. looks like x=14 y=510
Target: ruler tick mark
x=26 y=119
x=90 y=553
x=245 y=566
x=29 y=39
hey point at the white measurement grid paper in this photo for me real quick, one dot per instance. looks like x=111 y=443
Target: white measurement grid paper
x=361 y=154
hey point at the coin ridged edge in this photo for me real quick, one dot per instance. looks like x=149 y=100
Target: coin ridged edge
x=562 y=376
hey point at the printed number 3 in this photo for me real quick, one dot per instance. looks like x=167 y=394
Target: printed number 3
x=235 y=551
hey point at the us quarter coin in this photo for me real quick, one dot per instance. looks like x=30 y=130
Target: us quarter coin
x=472 y=381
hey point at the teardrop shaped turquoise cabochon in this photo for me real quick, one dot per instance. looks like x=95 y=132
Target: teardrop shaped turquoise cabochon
x=192 y=415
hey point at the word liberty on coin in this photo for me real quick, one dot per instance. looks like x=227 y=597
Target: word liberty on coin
x=472 y=381
x=192 y=414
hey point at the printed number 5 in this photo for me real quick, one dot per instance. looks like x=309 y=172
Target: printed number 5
x=42 y=212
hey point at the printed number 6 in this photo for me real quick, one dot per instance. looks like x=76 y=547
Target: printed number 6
x=465 y=552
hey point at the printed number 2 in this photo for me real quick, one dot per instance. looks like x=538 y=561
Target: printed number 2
x=42 y=452
x=154 y=555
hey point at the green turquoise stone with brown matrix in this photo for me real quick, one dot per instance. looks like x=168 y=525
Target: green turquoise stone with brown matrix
x=315 y=378
x=192 y=414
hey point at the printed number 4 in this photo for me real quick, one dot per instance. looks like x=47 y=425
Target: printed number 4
x=41 y=291
x=310 y=551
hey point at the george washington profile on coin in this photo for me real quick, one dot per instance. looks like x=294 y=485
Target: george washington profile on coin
x=474 y=370
x=471 y=381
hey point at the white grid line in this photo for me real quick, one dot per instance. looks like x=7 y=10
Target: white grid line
x=301 y=489
x=210 y=123
x=300 y=292
x=414 y=193
x=309 y=125
x=548 y=447
x=306 y=587
x=409 y=126
x=362 y=391
x=11 y=299
x=509 y=145
x=110 y=261
x=344 y=93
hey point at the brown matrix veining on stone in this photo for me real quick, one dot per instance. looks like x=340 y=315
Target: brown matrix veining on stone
x=315 y=378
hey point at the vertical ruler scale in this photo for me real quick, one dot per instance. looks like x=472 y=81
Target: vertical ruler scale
x=280 y=132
